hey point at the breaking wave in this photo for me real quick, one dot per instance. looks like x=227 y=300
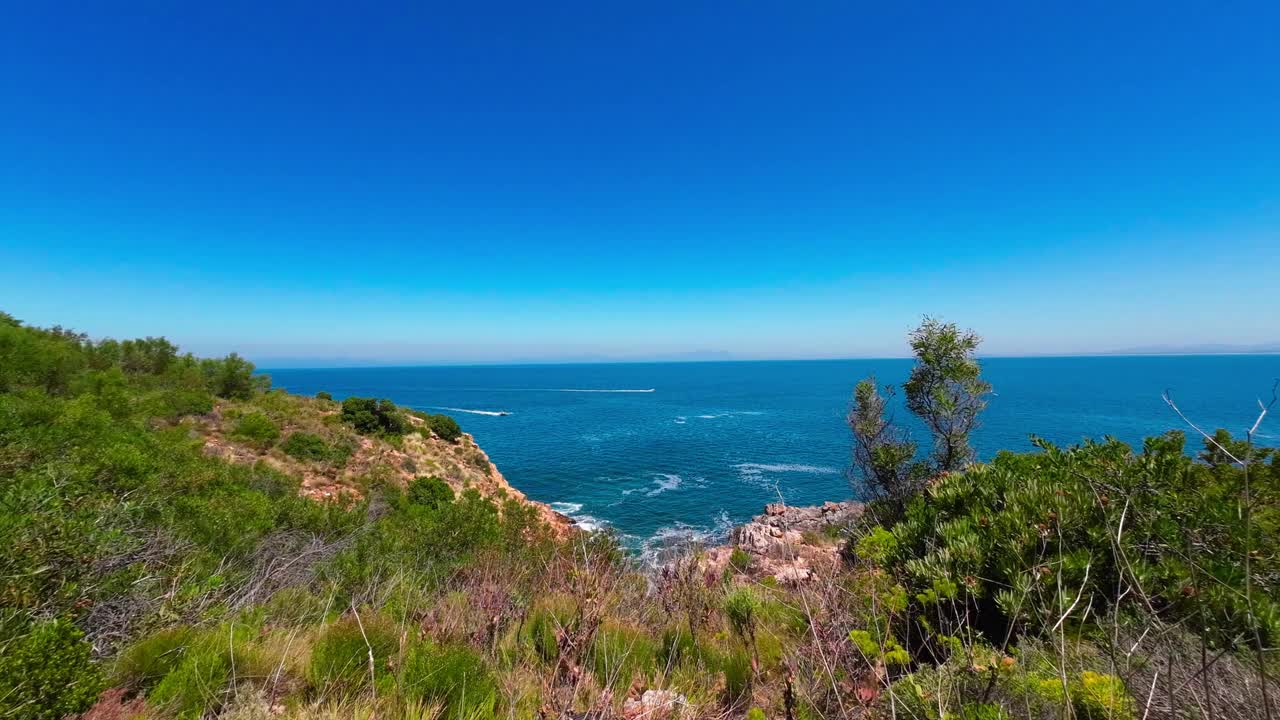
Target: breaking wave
x=665 y=541
x=573 y=511
x=665 y=482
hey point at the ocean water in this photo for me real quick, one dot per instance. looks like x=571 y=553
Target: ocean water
x=659 y=451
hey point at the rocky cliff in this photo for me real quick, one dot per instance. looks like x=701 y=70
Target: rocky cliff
x=362 y=459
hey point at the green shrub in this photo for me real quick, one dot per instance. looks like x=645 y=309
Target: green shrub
x=145 y=662
x=550 y=617
x=1098 y=696
x=444 y=427
x=322 y=395
x=876 y=546
x=195 y=686
x=978 y=539
x=454 y=676
x=677 y=646
x=737 y=675
x=229 y=520
x=373 y=417
x=755 y=713
x=429 y=492
x=619 y=653
x=308 y=446
x=257 y=429
x=340 y=657
x=47 y=673
x=230 y=377
x=179 y=402
x=740 y=560
x=294 y=606
x=741 y=607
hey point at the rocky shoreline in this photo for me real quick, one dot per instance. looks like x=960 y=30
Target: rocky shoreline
x=788 y=542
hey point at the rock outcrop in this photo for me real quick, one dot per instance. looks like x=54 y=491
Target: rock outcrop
x=788 y=542
x=655 y=705
x=460 y=463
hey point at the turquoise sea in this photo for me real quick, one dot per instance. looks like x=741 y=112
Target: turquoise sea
x=660 y=451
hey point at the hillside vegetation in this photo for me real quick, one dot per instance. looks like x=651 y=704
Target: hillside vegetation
x=182 y=541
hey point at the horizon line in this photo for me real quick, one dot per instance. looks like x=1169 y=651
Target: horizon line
x=563 y=363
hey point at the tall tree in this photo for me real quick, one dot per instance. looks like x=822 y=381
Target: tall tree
x=883 y=455
x=946 y=389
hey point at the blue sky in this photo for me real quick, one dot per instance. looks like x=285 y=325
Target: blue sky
x=420 y=182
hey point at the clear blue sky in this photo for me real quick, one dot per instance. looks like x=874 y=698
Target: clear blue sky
x=444 y=182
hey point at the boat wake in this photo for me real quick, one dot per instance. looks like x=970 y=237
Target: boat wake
x=493 y=413
x=763 y=473
x=591 y=390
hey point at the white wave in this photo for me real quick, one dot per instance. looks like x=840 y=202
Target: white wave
x=672 y=538
x=679 y=420
x=761 y=468
x=761 y=473
x=494 y=413
x=729 y=413
x=573 y=511
x=591 y=390
x=588 y=523
x=665 y=482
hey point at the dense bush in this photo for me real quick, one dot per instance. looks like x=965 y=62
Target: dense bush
x=196 y=684
x=231 y=377
x=374 y=417
x=741 y=606
x=257 y=429
x=308 y=446
x=454 y=676
x=621 y=653
x=738 y=676
x=552 y=617
x=1020 y=539
x=149 y=660
x=444 y=427
x=429 y=492
x=46 y=672
x=340 y=658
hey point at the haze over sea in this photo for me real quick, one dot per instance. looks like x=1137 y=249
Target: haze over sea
x=669 y=450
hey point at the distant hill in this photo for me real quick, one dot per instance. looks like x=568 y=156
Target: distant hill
x=1202 y=349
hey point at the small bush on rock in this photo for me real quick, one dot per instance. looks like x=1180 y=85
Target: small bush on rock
x=444 y=427
x=430 y=492
x=373 y=417
x=307 y=446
